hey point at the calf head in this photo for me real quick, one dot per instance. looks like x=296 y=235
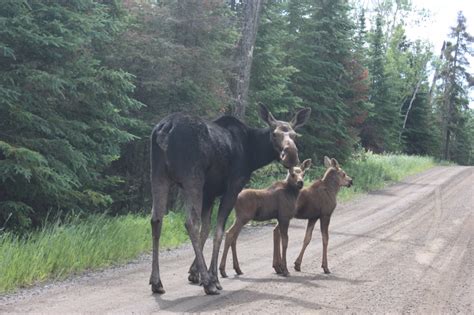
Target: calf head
x=283 y=134
x=342 y=178
x=296 y=174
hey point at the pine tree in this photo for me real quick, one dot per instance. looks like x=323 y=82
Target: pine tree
x=64 y=114
x=379 y=132
x=453 y=99
x=322 y=51
x=271 y=77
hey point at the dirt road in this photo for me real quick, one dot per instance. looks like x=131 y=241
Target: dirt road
x=404 y=249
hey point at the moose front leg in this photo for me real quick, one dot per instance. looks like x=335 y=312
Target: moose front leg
x=225 y=207
x=276 y=249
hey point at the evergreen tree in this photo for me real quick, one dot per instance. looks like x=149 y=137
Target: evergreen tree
x=322 y=51
x=453 y=96
x=271 y=77
x=379 y=132
x=64 y=114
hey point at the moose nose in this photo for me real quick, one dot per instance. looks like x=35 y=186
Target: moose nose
x=299 y=184
x=351 y=182
x=289 y=156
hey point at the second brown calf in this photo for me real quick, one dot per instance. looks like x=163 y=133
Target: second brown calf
x=318 y=202
x=276 y=202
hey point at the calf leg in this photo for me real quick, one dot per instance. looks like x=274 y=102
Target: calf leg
x=325 y=236
x=230 y=240
x=160 y=189
x=307 y=239
x=276 y=249
x=284 y=246
x=235 y=260
x=205 y=229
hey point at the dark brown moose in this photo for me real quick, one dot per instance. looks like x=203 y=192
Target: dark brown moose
x=318 y=202
x=275 y=202
x=208 y=159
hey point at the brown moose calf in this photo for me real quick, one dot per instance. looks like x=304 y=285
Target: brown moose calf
x=318 y=202
x=275 y=202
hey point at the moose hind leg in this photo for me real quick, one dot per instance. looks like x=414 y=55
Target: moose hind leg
x=193 y=197
x=307 y=239
x=205 y=229
x=276 y=249
x=160 y=188
x=324 y=222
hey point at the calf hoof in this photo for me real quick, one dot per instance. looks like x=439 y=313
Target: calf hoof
x=218 y=285
x=297 y=267
x=157 y=288
x=326 y=270
x=238 y=271
x=223 y=273
x=193 y=278
x=211 y=289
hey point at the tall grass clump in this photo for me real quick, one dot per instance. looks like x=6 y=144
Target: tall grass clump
x=61 y=249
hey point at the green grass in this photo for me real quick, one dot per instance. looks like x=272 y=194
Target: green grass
x=62 y=249
x=59 y=250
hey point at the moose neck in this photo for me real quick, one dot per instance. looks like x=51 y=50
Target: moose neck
x=260 y=149
x=331 y=182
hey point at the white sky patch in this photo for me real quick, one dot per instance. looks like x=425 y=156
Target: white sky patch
x=443 y=16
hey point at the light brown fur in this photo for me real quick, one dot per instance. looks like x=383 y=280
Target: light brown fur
x=275 y=202
x=318 y=201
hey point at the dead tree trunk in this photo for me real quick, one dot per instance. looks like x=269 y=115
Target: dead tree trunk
x=244 y=56
x=418 y=84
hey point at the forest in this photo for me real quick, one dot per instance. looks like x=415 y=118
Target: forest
x=83 y=82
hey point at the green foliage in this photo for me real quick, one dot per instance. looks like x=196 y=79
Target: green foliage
x=73 y=246
x=64 y=114
x=270 y=75
x=322 y=53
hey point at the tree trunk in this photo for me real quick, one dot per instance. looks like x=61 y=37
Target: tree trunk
x=418 y=84
x=251 y=15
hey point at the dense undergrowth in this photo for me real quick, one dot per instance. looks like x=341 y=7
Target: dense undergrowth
x=75 y=245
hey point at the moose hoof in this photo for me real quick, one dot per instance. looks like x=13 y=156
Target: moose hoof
x=223 y=273
x=285 y=273
x=193 y=278
x=157 y=288
x=278 y=269
x=297 y=267
x=238 y=271
x=211 y=289
x=218 y=285
x=326 y=271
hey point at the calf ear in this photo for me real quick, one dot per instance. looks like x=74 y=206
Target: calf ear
x=301 y=117
x=266 y=116
x=334 y=163
x=327 y=162
x=306 y=164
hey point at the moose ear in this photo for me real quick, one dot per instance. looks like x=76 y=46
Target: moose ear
x=306 y=164
x=334 y=163
x=301 y=117
x=266 y=116
x=327 y=162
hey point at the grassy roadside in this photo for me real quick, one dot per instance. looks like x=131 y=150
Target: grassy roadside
x=63 y=249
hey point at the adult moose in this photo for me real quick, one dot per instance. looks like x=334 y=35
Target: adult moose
x=207 y=160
